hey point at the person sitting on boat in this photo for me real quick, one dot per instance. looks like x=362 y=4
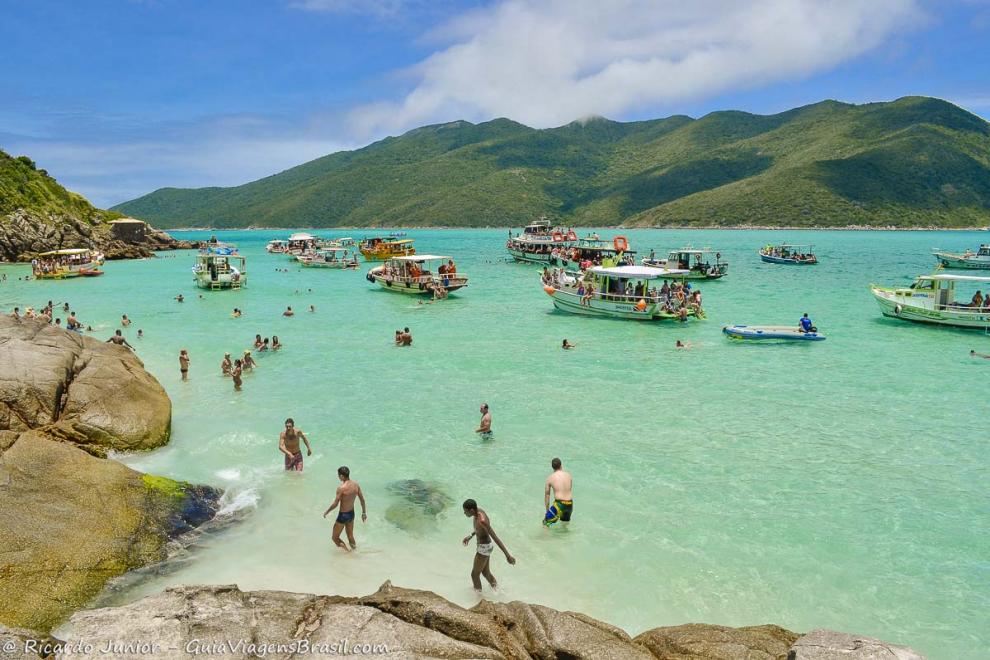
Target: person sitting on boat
x=805 y=324
x=588 y=294
x=451 y=266
x=442 y=270
x=977 y=300
x=694 y=302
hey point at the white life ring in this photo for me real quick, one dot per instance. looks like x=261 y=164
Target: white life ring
x=897 y=310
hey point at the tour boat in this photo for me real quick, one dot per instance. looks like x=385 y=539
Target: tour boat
x=277 y=246
x=71 y=262
x=697 y=262
x=219 y=266
x=800 y=255
x=538 y=241
x=625 y=292
x=593 y=250
x=979 y=260
x=299 y=243
x=765 y=332
x=380 y=249
x=345 y=242
x=931 y=299
x=332 y=257
x=417 y=274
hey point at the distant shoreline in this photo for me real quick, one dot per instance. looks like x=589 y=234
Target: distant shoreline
x=613 y=227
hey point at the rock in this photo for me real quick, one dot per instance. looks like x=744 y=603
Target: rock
x=698 y=641
x=18 y=644
x=546 y=633
x=192 y=620
x=94 y=394
x=421 y=503
x=71 y=520
x=822 y=644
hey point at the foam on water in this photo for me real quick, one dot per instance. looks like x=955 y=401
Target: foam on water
x=841 y=484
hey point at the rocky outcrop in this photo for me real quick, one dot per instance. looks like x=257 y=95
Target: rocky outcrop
x=824 y=644
x=70 y=519
x=398 y=622
x=23 y=234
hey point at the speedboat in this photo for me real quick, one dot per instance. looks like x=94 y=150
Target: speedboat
x=764 y=332
x=800 y=255
x=421 y=274
x=333 y=257
x=698 y=263
x=219 y=266
x=539 y=242
x=623 y=292
x=932 y=299
x=969 y=260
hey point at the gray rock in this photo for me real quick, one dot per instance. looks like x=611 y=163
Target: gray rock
x=699 y=641
x=822 y=644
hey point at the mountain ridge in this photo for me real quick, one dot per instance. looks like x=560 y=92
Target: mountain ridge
x=915 y=161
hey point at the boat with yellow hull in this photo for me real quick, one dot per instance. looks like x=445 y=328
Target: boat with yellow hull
x=380 y=249
x=67 y=263
x=418 y=275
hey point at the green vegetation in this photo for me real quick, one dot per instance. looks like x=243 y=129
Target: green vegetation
x=912 y=162
x=23 y=186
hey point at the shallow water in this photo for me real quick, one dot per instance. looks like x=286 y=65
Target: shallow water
x=841 y=484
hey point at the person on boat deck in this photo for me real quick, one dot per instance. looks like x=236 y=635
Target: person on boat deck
x=805 y=324
x=977 y=300
x=451 y=266
x=588 y=295
x=665 y=289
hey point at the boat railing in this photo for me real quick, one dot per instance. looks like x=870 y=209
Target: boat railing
x=961 y=307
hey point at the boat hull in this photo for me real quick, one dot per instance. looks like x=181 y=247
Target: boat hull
x=529 y=257
x=900 y=307
x=712 y=273
x=340 y=265
x=956 y=262
x=412 y=288
x=203 y=281
x=781 y=260
x=770 y=332
x=617 y=309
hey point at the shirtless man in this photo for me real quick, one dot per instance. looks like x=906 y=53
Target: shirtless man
x=184 y=364
x=560 y=482
x=346 y=492
x=288 y=312
x=406 y=337
x=483 y=554
x=119 y=340
x=288 y=444
x=485 y=428
x=226 y=366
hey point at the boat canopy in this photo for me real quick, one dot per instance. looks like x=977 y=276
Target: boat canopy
x=63 y=253
x=302 y=236
x=944 y=277
x=692 y=251
x=639 y=272
x=795 y=245
x=416 y=258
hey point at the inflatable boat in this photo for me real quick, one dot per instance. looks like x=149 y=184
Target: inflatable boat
x=784 y=332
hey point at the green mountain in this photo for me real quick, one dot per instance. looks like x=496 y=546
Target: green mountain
x=916 y=161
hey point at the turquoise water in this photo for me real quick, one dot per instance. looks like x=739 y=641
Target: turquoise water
x=840 y=484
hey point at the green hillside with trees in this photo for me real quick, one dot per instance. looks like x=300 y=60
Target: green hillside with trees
x=916 y=161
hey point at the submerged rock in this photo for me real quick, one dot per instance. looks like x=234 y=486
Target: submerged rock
x=70 y=520
x=822 y=644
x=421 y=503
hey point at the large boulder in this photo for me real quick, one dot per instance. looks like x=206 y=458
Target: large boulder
x=700 y=641
x=70 y=520
x=94 y=394
x=823 y=644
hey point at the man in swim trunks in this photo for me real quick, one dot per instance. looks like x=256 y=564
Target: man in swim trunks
x=346 y=492
x=561 y=482
x=288 y=444
x=485 y=428
x=483 y=554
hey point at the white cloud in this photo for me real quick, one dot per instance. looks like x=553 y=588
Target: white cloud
x=545 y=63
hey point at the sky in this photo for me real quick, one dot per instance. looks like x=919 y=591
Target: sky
x=118 y=98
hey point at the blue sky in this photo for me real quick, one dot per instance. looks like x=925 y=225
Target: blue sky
x=118 y=98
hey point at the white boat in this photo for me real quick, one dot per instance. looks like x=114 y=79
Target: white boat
x=699 y=263
x=344 y=242
x=332 y=257
x=969 y=260
x=300 y=242
x=219 y=266
x=932 y=299
x=420 y=274
x=624 y=292
x=593 y=250
x=539 y=242
x=277 y=246
x=767 y=332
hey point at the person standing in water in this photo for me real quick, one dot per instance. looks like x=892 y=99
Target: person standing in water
x=346 y=492
x=485 y=427
x=184 y=364
x=483 y=554
x=225 y=365
x=560 y=482
x=235 y=373
x=288 y=444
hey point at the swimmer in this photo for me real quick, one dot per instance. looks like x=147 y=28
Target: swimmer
x=276 y=344
x=180 y=298
x=288 y=444
x=236 y=313
x=247 y=362
x=184 y=364
x=567 y=345
x=225 y=365
x=979 y=355
x=398 y=337
x=140 y=333
x=235 y=373
x=346 y=492
x=312 y=308
x=483 y=553
x=485 y=427
x=257 y=341
x=560 y=482
x=406 y=337
x=264 y=345
x=288 y=312
x=124 y=321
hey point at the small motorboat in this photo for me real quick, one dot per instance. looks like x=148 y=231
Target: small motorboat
x=784 y=332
